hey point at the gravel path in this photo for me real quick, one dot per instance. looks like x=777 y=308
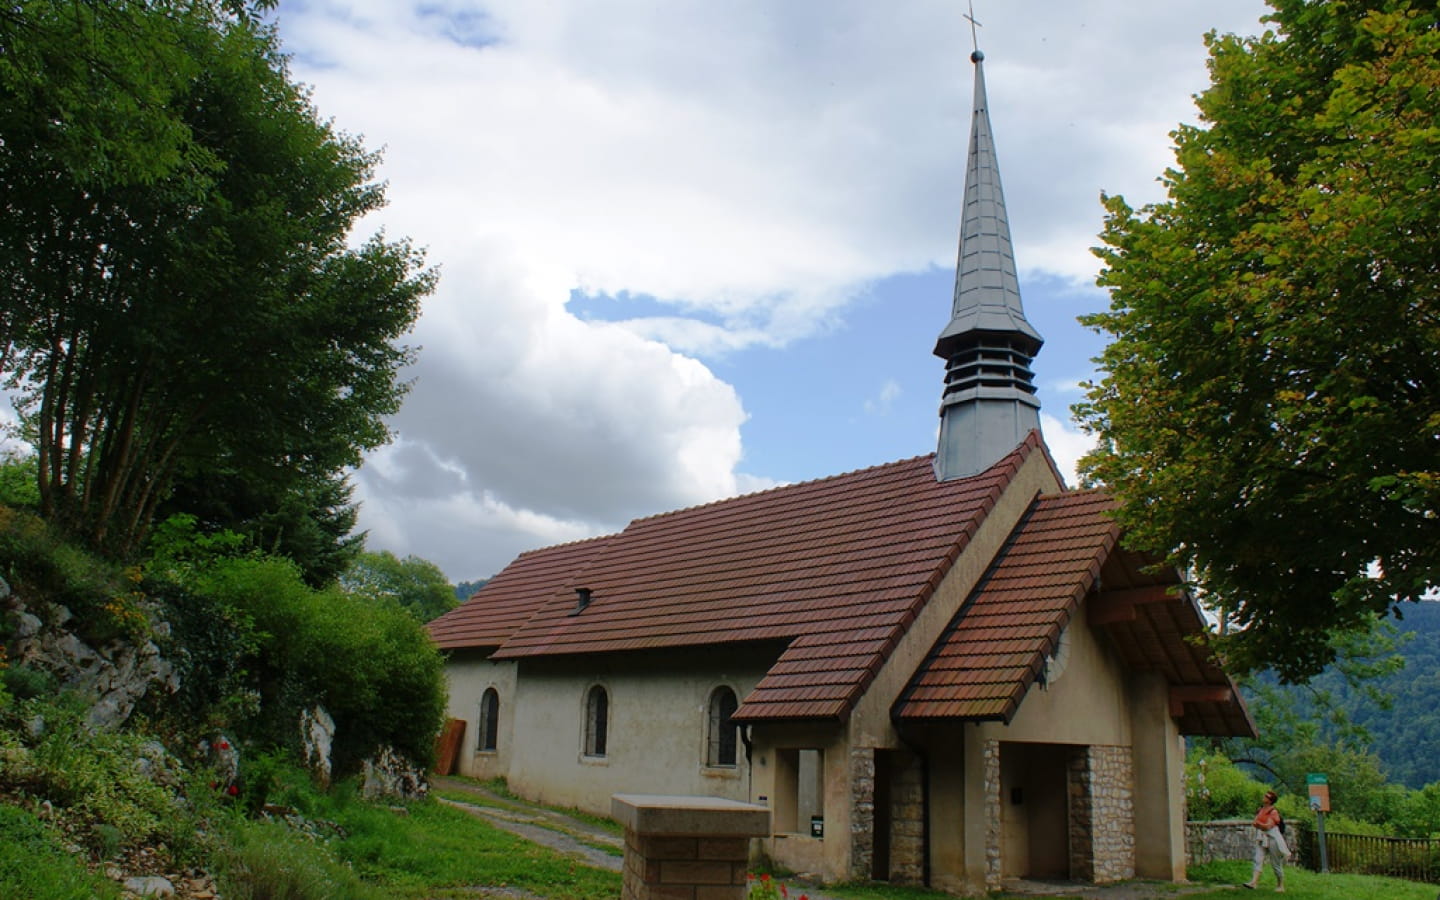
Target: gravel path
x=547 y=828
x=583 y=841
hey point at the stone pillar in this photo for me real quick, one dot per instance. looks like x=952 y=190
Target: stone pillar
x=1112 y=774
x=907 y=819
x=994 y=827
x=1082 y=809
x=686 y=848
x=862 y=812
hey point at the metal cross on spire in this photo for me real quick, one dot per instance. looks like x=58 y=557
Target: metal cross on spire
x=974 y=36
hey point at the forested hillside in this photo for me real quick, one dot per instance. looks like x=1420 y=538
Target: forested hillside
x=1406 y=737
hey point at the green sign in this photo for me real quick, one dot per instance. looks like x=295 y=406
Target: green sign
x=1316 y=778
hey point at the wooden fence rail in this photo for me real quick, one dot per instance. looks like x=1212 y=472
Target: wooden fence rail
x=1409 y=858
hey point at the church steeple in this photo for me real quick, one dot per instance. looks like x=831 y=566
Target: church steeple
x=988 y=405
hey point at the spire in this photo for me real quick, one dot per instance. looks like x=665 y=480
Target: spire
x=988 y=405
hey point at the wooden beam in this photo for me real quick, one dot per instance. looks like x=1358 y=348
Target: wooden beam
x=1109 y=607
x=1181 y=694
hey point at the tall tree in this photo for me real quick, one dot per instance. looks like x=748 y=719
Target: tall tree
x=198 y=314
x=1269 y=411
x=417 y=585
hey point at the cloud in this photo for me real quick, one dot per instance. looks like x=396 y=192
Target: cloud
x=754 y=166
x=880 y=404
x=1067 y=444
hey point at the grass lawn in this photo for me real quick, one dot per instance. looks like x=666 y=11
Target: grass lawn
x=1224 y=877
x=1302 y=884
x=434 y=850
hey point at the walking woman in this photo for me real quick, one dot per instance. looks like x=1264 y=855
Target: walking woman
x=1269 y=842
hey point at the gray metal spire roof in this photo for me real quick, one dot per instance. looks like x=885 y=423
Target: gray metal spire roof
x=989 y=405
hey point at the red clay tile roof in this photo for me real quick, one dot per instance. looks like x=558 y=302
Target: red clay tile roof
x=837 y=567
x=512 y=597
x=995 y=647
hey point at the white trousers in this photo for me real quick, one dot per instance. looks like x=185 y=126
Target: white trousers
x=1270 y=845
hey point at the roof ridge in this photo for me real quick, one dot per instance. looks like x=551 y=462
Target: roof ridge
x=575 y=543
x=785 y=486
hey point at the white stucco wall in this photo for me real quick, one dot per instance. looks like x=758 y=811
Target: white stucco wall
x=1089 y=703
x=657 y=734
x=468 y=676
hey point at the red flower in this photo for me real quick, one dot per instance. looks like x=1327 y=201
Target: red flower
x=785 y=892
x=765 y=878
x=233 y=791
x=223 y=745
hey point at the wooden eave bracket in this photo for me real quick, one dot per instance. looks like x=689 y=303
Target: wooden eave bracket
x=1112 y=607
x=1181 y=694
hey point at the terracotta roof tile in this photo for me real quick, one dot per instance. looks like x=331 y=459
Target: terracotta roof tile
x=838 y=568
x=994 y=648
x=488 y=618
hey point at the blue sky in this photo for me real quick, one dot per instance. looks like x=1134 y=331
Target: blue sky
x=691 y=249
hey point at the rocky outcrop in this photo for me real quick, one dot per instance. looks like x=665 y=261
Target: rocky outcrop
x=390 y=775
x=114 y=676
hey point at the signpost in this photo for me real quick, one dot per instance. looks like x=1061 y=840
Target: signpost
x=1319 y=789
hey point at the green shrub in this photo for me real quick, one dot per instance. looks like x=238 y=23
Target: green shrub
x=368 y=663
x=109 y=790
x=23 y=682
x=1215 y=788
x=269 y=861
x=35 y=865
x=40 y=563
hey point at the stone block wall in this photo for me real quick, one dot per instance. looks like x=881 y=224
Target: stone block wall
x=1113 y=794
x=1222 y=839
x=686 y=848
x=994 y=835
x=907 y=819
x=1082 y=854
x=862 y=812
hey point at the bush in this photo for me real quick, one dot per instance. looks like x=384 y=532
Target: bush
x=1215 y=788
x=368 y=663
x=109 y=790
x=265 y=860
x=39 y=562
x=35 y=865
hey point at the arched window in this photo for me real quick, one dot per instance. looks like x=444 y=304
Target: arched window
x=597 y=720
x=721 y=731
x=489 y=720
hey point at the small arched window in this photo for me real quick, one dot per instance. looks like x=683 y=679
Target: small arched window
x=597 y=721
x=721 y=731
x=489 y=720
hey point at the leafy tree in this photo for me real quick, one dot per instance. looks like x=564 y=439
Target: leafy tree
x=466 y=589
x=181 y=300
x=416 y=585
x=1269 y=412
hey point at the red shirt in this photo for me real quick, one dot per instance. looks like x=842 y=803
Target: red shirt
x=1267 y=818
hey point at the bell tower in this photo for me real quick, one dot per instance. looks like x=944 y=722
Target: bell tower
x=988 y=406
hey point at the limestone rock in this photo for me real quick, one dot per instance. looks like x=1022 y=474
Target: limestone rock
x=115 y=676
x=317 y=736
x=391 y=775
x=149 y=886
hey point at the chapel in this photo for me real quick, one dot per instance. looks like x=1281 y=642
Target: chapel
x=943 y=671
